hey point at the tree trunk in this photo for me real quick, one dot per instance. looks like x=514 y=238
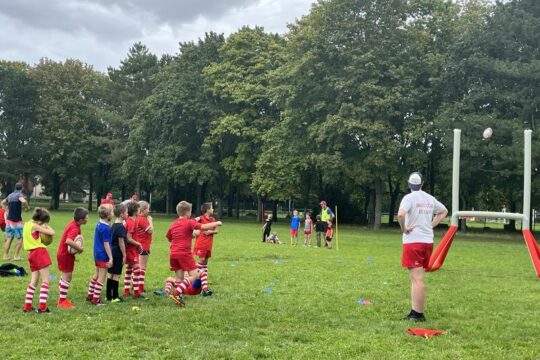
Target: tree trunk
x=371 y=208
x=230 y=202
x=274 y=211
x=55 y=199
x=377 y=183
x=168 y=198
x=394 y=193
x=237 y=200
x=124 y=191
x=462 y=223
x=367 y=196
x=90 y=191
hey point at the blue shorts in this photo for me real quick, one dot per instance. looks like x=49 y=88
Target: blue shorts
x=14 y=231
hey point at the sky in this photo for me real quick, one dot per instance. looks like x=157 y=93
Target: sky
x=100 y=32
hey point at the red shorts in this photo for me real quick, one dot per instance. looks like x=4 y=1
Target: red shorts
x=307 y=232
x=101 y=264
x=416 y=255
x=66 y=263
x=294 y=232
x=132 y=256
x=182 y=261
x=39 y=258
x=203 y=253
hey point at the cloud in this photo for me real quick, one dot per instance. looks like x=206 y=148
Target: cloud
x=100 y=32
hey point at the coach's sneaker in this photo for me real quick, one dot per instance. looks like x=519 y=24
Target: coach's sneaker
x=178 y=299
x=207 y=292
x=415 y=316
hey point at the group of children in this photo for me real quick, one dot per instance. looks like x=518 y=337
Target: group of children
x=322 y=229
x=127 y=241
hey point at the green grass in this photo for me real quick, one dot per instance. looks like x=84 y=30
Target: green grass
x=485 y=298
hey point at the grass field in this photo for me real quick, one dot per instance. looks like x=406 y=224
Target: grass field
x=273 y=301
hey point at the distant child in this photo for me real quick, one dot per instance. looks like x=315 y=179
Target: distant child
x=273 y=239
x=143 y=235
x=14 y=222
x=38 y=258
x=320 y=230
x=103 y=257
x=295 y=225
x=267 y=227
x=308 y=229
x=3 y=215
x=329 y=234
x=203 y=245
x=181 y=259
x=118 y=249
x=133 y=248
x=65 y=260
x=194 y=289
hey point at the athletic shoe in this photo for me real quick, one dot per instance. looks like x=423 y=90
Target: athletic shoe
x=116 y=301
x=160 y=293
x=89 y=298
x=207 y=292
x=141 y=297
x=29 y=310
x=178 y=299
x=46 y=310
x=65 y=304
x=414 y=317
x=98 y=303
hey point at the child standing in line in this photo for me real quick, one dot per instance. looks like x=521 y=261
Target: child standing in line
x=308 y=229
x=66 y=261
x=143 y=234
x=319 y=229
x=118 y=249
x=102 y=255
x=181 y=259
x=267 y=227
x=295 y=225
x=203 y=245
x=329 y=234
x=133 y=248
x=39 y=258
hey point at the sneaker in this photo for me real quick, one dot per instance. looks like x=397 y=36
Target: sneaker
x=178 y=299
x=207 y=292
x=160 y=293
x=116 y=301
x=414 y=317
x=140 y=297
x=98 y=303
x=89 y=298
x=29 y=310
x=65 y=304
x=43 y=311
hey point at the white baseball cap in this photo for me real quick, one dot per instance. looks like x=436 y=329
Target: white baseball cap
x=415 y=181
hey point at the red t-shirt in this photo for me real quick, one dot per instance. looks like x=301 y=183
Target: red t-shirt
x=70 y=232
x=2 y=218
x=141 y=235
x=130 y=229
x=107 y=201
x=180 y=233
x=203 y=241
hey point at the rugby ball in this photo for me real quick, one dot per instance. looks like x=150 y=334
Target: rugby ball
x=45 y=239
x=79 y=240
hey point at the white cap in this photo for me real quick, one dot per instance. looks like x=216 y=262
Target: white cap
x=415 y=181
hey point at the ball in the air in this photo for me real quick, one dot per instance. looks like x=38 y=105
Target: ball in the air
x=487 y=133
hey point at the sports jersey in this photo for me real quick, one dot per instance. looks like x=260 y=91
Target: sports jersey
x=203 y=241
x=419 y=208
x=118 y=231
x=102 y=235
x=295 y=222
x=14 y=206
x=2 y=217
x=326 y=214
x=141 y=235
x=180 y=233
x=107 y=201
x=307 y=224
x=71 y=231
x=320 y=226
x=31 y=239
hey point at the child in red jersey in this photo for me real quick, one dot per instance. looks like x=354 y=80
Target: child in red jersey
x=203 y=246
x=66 y=261
x=144 y=228
x=38 y=257
x=181 y=259
x=133 y=248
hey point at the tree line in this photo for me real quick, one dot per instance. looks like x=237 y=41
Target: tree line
x=355 y=96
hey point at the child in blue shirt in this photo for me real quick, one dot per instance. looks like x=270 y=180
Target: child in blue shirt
x=295 y=225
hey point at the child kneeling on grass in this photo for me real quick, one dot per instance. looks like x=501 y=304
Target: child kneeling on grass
x=38 y=258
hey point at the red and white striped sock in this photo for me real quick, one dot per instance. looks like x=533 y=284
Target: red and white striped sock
x=91 y=287
x=127 y=281
x=97 y=292
x=43 y=296
x=142 y=274
x=168 y=286
x=204 y=281
x=136 y=282
x=182 y=287
x=30 y=290
x=63 y=289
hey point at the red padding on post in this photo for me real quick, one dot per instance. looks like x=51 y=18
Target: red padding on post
x=438 y=256
x=534 y=250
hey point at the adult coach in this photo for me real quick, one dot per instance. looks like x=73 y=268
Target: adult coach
x=416 y=219
x=14 y=223
x=326 y=214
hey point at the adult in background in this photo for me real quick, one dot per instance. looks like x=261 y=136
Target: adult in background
x=326 y=215
x=416 y=220
x=108 y=201
x=14 y=223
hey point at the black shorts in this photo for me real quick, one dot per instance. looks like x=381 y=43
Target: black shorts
x=324 y=227
x=328 y=238
x=117 y=265
x=145 y=253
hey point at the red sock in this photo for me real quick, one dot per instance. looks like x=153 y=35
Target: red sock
x=127 y=281
x=91 y=287
x=97 y=292
x=63 y=289
x=168 y=286
x=30 y=290
x=142 y=274
x=136 y=276
x=182 y=287
x=204 y=281
x=43 y=296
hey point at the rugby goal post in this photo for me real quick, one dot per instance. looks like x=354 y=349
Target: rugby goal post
x=438 y=256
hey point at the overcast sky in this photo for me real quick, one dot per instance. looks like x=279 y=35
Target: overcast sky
x=100 y=32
